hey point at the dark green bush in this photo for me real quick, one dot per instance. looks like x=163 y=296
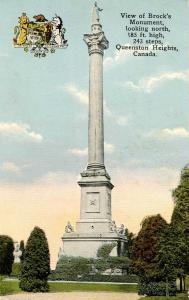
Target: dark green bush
x=34 y=285
x=6 y=254
x=115 y=262
x=156 y=288
x=70 y=268
x=111 y=278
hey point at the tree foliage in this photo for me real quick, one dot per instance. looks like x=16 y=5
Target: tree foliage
x=170 y=254
x=129 y=243
x=22 y=249
x=180 y=216
x=6 y=254
x=145 y=246
x=180 y=221
x=36 y=264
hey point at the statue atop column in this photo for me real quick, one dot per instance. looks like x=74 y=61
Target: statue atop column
x=96 y=40
x=95 y=13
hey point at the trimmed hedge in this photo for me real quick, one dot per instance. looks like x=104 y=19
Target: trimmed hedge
x=95 y=278
x=111 y=278
x=156 y=288
x=70 y=268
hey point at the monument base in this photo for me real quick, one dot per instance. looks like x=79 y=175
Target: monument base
x=95 y=226
x=85 y=245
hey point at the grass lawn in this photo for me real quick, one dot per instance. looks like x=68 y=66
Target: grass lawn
x=178 y=297
x=9 y=287
x=12 y=287
x=88 y=287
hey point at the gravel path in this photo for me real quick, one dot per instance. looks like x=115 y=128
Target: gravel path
x=74 y=296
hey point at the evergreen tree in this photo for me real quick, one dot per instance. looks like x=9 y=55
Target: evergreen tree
x=6 y=254
x=180 y=220
x=22 y=249
x=180 y=216
x=36 y=264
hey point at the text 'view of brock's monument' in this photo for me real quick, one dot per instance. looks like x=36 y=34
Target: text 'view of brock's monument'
x=95 y=226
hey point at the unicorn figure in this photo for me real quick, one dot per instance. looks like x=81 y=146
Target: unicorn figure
x=57 y=37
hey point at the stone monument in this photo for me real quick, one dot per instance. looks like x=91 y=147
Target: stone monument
x=95 y=226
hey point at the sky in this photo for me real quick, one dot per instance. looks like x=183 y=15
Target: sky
x=44 y=115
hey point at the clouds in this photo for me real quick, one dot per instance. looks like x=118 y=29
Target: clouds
x=79 y=152
x=80 y=95
x=120 y=55
x=19 y=131
x=149 y=84
x=10 y=167
x=117 y=58
x=168 y=133
x=108 y=149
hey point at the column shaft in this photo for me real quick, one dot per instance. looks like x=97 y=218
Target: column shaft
x=96 y=126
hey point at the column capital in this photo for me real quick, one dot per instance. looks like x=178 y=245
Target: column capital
x=96 y=42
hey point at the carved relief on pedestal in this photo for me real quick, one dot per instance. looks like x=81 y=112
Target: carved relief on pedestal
x=93 y=202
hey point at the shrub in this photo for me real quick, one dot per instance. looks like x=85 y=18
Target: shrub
x=70 y=268
x=96 y=278
x=111 y=278
x=34 y=285
x=156 y=288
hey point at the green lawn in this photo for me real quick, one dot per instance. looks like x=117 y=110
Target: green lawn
x=69 y=287
x=12 y=287
x=9 y=287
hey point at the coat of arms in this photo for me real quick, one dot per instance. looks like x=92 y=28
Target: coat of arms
x=40 y=36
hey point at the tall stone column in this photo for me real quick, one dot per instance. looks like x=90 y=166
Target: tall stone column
x=95 y=226
x=97 y=43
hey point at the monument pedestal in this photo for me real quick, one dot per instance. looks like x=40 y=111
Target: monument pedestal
x=95 y=226
x=87 y=245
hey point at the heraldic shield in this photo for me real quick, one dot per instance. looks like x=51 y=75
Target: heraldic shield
x=40 y=36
